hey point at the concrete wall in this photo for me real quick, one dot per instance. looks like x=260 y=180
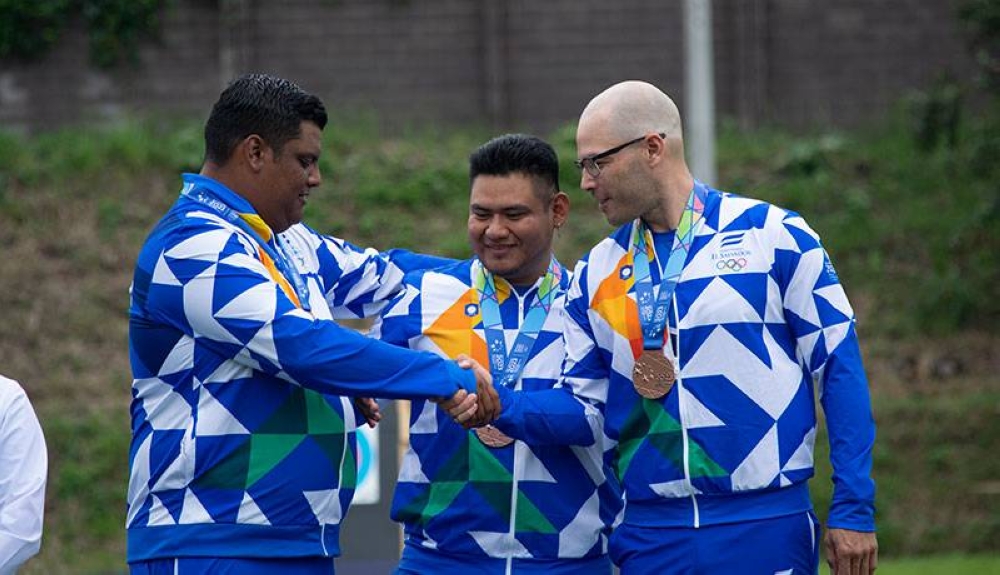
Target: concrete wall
x=512 y=64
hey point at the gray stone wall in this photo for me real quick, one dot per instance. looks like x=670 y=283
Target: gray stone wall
x=511 y=64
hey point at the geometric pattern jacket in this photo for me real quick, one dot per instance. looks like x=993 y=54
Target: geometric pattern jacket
x=757 y=317
x=243 y=443
x=462 y=498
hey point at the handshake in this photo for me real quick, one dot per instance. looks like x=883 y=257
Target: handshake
x=467 y=409
x=473 y=409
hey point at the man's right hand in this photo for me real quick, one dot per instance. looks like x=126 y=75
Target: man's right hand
x=851 y=552
x=461 y=407
x=488 y=399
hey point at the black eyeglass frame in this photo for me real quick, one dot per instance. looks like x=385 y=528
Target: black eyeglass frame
x=590 y=162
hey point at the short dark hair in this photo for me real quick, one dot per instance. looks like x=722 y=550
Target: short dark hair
x=273 y=108
x=518 y=153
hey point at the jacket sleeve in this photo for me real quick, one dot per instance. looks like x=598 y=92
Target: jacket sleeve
x=570 y=413
x=824 y=326
x=360 y=282
x=547 y=417
x=23 y=469
x=213 y=287
x=399 y=322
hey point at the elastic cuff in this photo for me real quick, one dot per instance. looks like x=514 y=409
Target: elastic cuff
x=463 y=378
x=507 y=400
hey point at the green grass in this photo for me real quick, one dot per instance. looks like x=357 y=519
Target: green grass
x=944 y=565
x=88 y=456
x=936 y=473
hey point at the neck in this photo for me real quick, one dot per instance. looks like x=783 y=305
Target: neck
x=240 y=184
x=526 y=278
x=522 y=282
x=666 y=216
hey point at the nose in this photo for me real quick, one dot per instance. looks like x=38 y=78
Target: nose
x=314 y=179
x=496 y=229
x=587 y=182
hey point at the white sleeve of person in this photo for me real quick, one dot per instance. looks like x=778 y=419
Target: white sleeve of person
x=23 y=468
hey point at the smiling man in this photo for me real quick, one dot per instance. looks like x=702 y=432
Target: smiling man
x=478 y=502
x=243 y=457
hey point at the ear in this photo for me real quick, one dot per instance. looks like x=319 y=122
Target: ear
x=560 y=209
x=656 y=147
x=254 y=150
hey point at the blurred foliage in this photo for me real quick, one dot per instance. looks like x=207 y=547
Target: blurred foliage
x=930 y=449
x=910 y=214
x=952 y=564
x=30 y=28
x=89 y=470
x=981 y=19
x=936 y=114
x=117 y=26
x=909 y=211
x=131 y=145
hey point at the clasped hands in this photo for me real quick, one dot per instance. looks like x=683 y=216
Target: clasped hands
x=473 y=409
x=467 y=409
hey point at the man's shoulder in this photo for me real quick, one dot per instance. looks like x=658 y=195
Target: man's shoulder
x=607 y=252
x=454 y=275
x=736 y=210
x=301 y=232
x=186 y=220
x=566 y=274
x=10 y=390
x=187 y=233
x=304 y=235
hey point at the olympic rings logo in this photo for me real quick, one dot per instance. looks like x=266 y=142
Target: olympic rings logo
x=731 y=264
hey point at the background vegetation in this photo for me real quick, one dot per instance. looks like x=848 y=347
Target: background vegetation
x=30 y=28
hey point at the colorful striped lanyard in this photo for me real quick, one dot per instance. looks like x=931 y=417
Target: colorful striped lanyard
x=653 y=310
x=507 y=369
x=276 y=254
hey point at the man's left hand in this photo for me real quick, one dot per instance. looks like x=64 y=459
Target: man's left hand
x=851 y=552
x=370 y=409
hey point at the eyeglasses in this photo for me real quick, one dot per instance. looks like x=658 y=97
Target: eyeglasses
x=590 y=162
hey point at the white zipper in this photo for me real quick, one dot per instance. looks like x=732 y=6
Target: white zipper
x=513 y=514
x=348 y=410
x=512 y=531
x=681 y=412
x=812 y=532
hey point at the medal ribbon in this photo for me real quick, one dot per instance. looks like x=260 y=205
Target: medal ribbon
x=253 y=225
x=653 y=311
x=507 y=368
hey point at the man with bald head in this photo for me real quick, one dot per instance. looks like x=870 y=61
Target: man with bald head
x=695 y=333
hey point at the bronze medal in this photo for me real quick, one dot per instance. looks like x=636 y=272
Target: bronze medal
x=653 y=375
x=493 y=437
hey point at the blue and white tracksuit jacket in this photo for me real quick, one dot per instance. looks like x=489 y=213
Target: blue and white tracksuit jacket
x=462 y=499
x=757 y=316
x=242 y=444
